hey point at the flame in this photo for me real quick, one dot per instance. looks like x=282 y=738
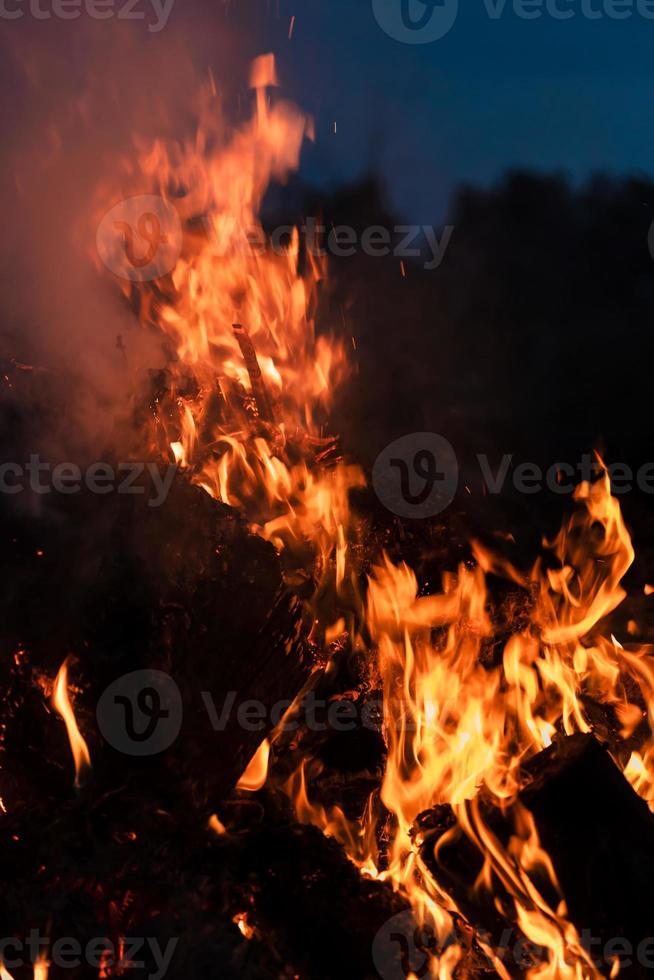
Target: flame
x=241 y=920
x=4 y=973
x=249 y=381
x=41 y=969
x=256 y=772
x=455 y=724
x=61 y=702
x=241 y=409
x=111 y=965
x=217 y=825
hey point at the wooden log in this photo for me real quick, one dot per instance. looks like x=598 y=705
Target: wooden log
x=600 y=837
x=184 y=589
x=259 y=389
x=309 y=913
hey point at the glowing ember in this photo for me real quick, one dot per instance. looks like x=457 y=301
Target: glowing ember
x=216 y=825
x=241 y=920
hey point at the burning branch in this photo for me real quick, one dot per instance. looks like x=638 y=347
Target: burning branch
x=254 y=371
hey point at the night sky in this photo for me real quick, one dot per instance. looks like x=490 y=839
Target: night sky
x=573 y=96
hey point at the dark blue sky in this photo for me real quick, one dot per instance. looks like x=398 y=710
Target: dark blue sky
x=575 y=96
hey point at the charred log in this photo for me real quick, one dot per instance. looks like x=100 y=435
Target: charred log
x=182 y=589
x=600 y=837
x=254 y=372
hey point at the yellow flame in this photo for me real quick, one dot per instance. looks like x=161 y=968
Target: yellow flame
x=41 y=969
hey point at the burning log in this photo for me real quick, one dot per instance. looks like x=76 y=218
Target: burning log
x=600 y=837
x=254 y=372
x=183 y=589
x=181 y=647
x=216 y=412
x=311 y=903
x=182 y=592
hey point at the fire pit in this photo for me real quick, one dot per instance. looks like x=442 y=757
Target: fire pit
x=252 y=722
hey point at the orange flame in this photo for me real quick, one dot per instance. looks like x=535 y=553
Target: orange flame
x=241 y=920
x=250 y=380
x=256 y=772
x=216 y=825
x=454 y=724
x=79 y=748
x=242 y=411
x=41 y=969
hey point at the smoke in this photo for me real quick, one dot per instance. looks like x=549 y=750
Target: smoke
x=76 y=99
